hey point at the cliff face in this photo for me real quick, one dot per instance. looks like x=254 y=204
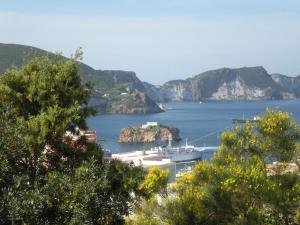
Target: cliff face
x=291 y=84
x=177 y=90
x=151 y=134
x=114 y=91
x=247 y=83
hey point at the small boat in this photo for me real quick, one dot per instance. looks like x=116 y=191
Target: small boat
x=200 y=102
x=243 y=120
x=162 y=107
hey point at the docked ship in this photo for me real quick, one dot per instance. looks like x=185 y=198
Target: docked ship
x=183 y=153
x=164 y=154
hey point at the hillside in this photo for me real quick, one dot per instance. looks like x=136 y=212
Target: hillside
x=247 y=83
x=114 y=91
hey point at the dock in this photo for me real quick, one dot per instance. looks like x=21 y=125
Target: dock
x=147 y=159
x=162 y=158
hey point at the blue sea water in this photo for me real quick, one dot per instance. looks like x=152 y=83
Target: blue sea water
x=201 y=124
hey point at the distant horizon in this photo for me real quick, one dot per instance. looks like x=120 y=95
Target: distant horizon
x=161 y=40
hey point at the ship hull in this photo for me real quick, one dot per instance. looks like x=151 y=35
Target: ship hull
x=184 y=156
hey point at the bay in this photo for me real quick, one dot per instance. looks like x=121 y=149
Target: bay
x=201 y=124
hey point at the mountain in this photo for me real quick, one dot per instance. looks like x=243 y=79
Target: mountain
x=114 y=91
x=291 y=84
x=246 y=83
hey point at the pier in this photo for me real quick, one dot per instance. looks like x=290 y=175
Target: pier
x=153 y=157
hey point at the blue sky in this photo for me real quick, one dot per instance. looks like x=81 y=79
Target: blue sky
x=210 y=8
x=161 y=39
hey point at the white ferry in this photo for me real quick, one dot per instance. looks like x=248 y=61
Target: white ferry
x=168 y=154
x=183 y=153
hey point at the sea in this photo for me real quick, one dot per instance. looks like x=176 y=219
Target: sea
x=200 y=123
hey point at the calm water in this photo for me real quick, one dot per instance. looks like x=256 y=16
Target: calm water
x=201 y=124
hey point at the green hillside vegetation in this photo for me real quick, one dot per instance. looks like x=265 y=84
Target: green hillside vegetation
x=105 y=82
x=11 y=54
x=17 y=55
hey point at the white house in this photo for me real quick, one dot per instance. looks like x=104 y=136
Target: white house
x=149 y=124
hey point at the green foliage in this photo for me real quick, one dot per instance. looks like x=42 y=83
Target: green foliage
x=148 y=214
x=47 y=97
x=156 y=181
x=12 y=151
x=153 y=185
x=45 y=178
x=275 y=138
x=93 y=194
x=278 y=132
x=297 y=155
x=235 y=187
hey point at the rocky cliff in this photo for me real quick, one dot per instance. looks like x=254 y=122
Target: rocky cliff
x=151 y=134
x=291 y=84
x=247 y=83
x=114 y=91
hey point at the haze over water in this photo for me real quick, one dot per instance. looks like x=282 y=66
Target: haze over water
x=201 y=124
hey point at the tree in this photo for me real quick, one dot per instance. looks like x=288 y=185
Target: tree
x=235 y=187
x=46 y=177
x=12 y=150
x=278 y=134
x=47 y=97
x=155 y=182
x=153 y=186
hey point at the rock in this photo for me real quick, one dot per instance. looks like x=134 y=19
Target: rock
x=134 y=103
x=291 y=84
x=246 y=83
x=150 y=134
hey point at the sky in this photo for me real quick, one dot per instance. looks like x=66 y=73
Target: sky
x=161 y=40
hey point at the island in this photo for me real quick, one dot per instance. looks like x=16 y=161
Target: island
x=149 y=133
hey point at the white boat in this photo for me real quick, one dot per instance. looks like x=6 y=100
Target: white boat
x=183 y=153
x=168 y=154
x=162 y=107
